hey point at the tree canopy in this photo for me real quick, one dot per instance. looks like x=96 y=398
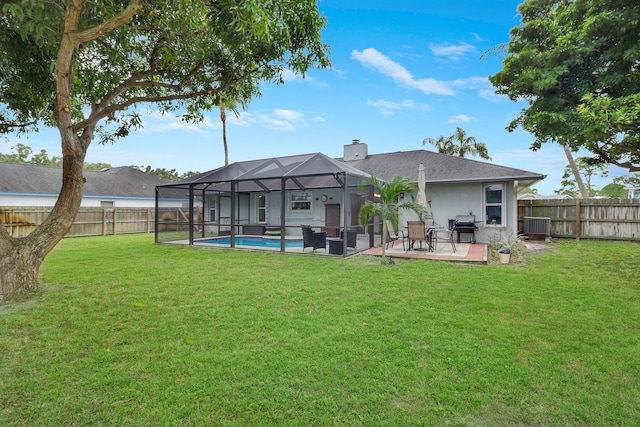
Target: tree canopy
x=84 y=66
x=107 y=57
x=577 y=64
x=587 y=173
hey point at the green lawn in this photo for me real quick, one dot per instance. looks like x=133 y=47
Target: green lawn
x=131 y=333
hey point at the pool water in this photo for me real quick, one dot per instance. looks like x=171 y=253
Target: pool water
x=255 y=241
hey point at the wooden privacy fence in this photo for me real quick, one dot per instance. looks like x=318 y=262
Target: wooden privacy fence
x=20 y=221
x=615 y=219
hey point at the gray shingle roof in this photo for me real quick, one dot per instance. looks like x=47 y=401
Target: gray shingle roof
x=439 y=168
x=121 y=181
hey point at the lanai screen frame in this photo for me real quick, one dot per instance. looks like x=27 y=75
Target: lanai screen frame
x=302 y=172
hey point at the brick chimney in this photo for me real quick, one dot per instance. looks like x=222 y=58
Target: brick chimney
x=356 y=151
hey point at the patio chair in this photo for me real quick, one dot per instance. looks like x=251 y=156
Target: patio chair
x=313 y=239
x=416 y=233
x=444 y=235
x=392 y=236
x=352 y=238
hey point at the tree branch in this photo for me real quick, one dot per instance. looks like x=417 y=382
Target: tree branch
x=109 y=25
x=101 y=113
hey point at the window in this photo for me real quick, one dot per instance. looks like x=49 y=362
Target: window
x=212 y=209
x=301 y=201
x=494 y=203
x=105 y=204
x=262 y=208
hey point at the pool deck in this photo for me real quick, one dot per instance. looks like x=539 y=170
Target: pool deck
x=465 y=252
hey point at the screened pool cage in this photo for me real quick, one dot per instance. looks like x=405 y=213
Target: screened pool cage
x=269 y=199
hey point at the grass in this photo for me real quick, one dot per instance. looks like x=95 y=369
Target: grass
x=130 y=333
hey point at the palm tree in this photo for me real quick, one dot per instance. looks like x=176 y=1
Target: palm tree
x=226 y=104
x=459 y=144
x=386 y=204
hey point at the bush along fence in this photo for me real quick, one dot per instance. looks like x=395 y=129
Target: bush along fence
x=611 y=219
x=20 y=221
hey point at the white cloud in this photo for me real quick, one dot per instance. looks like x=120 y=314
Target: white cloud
x=471 y=82
x=453 y=52
x=483 y=85
x=371 y=58
x=341 y=73
x=461 y=118
x=276 y=124
x=279 y=119
x=288 y=115
x=491 y=95
x=155 y=121
x=289 y=76
x=389 y=107
x=243 y=119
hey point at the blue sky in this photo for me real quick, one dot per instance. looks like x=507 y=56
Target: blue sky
x=402 y=71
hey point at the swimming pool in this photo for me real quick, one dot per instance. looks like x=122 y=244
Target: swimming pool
x=255 y=241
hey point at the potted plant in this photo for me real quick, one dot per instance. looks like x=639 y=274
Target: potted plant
x=505 y=245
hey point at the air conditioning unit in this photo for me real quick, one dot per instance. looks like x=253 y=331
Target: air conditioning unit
x=537 y=227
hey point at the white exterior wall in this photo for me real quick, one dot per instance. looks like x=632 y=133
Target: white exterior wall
x=446 y=201
x=315 y=217
x=118 y=202
x=16 y=200
x=449 y=200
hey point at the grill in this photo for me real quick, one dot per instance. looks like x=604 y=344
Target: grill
x=465 y=224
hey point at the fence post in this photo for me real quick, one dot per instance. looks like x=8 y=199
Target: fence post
x=115 y=221
x=578 y=218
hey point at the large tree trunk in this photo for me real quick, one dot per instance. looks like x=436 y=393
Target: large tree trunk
x=21 y=258
x=576 y=173
x=19 y=268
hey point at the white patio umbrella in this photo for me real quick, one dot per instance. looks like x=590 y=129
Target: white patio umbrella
x=421 y=197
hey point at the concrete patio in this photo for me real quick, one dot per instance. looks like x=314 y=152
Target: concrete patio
x=465 y=252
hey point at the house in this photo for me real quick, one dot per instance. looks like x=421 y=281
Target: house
x=32 y=185
x=313 y=189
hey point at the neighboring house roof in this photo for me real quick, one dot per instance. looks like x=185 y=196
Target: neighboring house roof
x=531 y=196
x=440 y=168
x=118 y=182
